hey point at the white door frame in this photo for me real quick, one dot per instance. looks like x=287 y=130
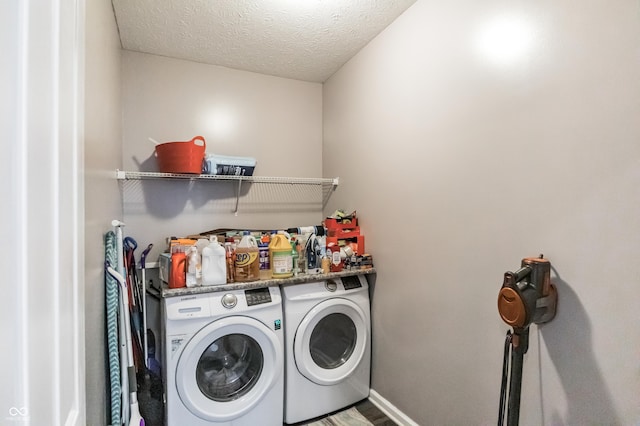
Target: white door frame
x=41 y=118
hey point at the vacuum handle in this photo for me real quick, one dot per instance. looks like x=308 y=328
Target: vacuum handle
x=516 y=344
x=513 y=278
x=505 y=378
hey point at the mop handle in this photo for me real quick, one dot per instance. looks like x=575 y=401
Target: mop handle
x=143 y=258
x=144 y=254
x=132 y=386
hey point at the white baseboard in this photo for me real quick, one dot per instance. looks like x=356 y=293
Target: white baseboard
x=390 y=410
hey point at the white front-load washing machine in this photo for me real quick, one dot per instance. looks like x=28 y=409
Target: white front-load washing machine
x=328 y=346
x=224 y=358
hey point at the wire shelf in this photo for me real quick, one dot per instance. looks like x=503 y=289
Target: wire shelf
x=127 y=175
x=282 y=188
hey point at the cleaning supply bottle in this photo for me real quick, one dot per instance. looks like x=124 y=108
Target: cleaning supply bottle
x=263 y=251
x=194 y=269
x=230 y=259
x=324 y=259
x=326 y=263
x=214 y=263
x=247 y=264
x=294 y=256
x=280 y=256
x=302 y=259
x=178 y=260
x=301 y=230
x=312 y=254
x=201 y=243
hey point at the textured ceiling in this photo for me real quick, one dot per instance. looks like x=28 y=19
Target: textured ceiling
x=300 y=39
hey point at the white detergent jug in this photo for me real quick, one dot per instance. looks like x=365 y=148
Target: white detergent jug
x=214 y=263
x=201 y=244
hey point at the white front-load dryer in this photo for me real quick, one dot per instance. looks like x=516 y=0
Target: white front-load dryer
x=328 y=346
x=224 y=358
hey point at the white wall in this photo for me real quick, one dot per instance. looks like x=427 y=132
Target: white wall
x=275 y=120
x=461 y=165
x=41 y=311
x=103 y=154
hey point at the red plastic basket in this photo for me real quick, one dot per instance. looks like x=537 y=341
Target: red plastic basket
x=181 y=157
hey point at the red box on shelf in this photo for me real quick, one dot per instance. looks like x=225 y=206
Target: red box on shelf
x=356 y=243
x=343 y=233
x=335 y=224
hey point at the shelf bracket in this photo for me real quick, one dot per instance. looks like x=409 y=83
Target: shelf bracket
x=329 y=192
x=238 y=196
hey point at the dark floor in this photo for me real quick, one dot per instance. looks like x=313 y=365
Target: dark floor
x=373 y=414
x=152 y=408
x=367 y=409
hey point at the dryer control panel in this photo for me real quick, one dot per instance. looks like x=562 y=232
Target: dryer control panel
x=351 y=282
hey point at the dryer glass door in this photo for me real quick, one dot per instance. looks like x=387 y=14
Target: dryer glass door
x=331 y=341
x=228 y=367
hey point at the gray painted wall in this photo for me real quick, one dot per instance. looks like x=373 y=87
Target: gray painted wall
x=459 y=167
x=275 y=120
x=462 y=159
x=102 y=149
x=132 y=96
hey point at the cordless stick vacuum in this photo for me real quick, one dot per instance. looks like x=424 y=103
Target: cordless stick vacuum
x=526 y=297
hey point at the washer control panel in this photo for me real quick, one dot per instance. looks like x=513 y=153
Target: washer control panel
x=257 y=296
x=187 y=307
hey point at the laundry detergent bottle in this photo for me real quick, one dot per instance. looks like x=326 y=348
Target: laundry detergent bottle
x=178 y=263
x=214 y=263
x=247 y=263
x=280 y=256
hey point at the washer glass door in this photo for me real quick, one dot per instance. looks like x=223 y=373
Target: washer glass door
x=331 y=341
x=227 y=368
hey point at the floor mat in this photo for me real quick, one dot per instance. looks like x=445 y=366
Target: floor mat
x=350 y=417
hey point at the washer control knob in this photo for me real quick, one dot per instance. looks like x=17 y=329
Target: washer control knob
x=331 y=285
x=229 y=300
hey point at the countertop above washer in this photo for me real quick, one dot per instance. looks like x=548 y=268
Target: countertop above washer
x=299 y=279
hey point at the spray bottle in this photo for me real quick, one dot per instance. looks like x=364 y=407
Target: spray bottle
x=294 y=255
x=194 y=269
x=230 y=259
